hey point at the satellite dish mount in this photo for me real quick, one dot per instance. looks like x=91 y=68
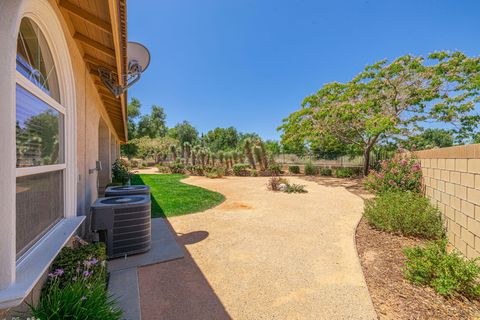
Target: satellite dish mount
x=138 y=61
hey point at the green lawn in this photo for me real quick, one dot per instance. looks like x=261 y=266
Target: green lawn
x=171 y=198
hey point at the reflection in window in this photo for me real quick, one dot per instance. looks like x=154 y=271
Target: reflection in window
x=39 y=204
x=34 y=59
x=39 y=131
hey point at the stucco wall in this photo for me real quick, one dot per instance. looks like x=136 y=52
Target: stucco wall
x=452 y=182
x=86 y=110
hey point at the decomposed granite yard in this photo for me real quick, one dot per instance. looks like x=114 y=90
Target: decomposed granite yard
x=262 y=255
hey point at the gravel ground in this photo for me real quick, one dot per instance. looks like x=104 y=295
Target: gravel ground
x=263 y=255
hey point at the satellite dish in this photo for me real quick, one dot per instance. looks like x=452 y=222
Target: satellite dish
x=138 y=60
x=137 y=53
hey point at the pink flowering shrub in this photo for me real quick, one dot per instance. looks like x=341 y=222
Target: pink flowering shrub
x=402 y=172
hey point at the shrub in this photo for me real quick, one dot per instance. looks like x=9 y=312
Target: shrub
x=73 y=262
x=254 y=173
x=447 y=273
x=400 y=173
x=240 y=169
x=294 y=169
x=77 y=300
x=295 y=188
x=177 y=167
x=216 y=172
x=325 y=172
x=120 y=172
x=163 y=169
x=344 y=172
x=275 y=169
x=407 y=213
x=276 y=183
x=310 y=169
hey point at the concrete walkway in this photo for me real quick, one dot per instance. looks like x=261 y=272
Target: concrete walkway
x=262 y=255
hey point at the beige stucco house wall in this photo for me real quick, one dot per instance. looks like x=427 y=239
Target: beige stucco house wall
x=90 y=125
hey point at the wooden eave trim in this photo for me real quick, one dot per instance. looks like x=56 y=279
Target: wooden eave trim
x=85 y=15
x=94 y=44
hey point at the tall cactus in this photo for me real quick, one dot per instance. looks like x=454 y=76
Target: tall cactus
x=248 y=152
x=173 y=151
x=221 y=156
x=257 y=151
x=187 y=151
x=264 y=155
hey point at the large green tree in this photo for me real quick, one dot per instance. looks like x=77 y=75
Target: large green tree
x=133 y=112
x=153 y=125
x=390 y=99
x=222 y=139
x=184 y=132
x=430 y=138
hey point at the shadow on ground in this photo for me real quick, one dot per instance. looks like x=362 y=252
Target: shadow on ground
x=178 y=289
x=354 y=185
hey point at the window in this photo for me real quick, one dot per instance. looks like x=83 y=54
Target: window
x=40 y=136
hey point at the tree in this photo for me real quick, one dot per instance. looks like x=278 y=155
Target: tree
x=184 y=132
x=187 y=149
x=428 y=139
x=222 y=139
x=133 y=112
x=273 y=147
x=157 y=148
x=153 y=125
x=390 y=99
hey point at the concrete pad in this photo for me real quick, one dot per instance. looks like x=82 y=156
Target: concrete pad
x=263 y=255
x=123 y=286
x=164 y=248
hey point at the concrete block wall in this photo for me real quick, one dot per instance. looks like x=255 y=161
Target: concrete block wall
x=452 y=183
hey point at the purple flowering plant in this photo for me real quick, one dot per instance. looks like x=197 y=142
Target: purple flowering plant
x=402 y=172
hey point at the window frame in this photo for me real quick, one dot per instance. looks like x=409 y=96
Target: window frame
x=68 y=167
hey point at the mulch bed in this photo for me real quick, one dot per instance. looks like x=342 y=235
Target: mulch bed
x=393 y=296
x=382 y=261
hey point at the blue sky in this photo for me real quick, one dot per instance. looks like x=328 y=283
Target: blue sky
x=250 y=63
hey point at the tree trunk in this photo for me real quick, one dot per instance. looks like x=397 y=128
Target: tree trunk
x=366 y=160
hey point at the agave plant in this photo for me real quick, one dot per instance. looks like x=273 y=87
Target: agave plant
x=248 y=152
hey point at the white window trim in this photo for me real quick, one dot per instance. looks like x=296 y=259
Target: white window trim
x=19 y=276
x=32 y=88
x=27 y=171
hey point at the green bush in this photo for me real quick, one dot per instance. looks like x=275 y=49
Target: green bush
x=73 y=262
x=344 y=172
x=215 y=173
x=76 y=300
x=177 y=167
x=254 y=173
x=399 y=173
x=240 y=169
x=449 y=274
x=325 y=172
x=275 y=169
x=294 y=169
x=295 y=188
x=403 y=212
x=310 y=169
x=120 y=172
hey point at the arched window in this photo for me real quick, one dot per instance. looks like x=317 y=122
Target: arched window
x=40 y=136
